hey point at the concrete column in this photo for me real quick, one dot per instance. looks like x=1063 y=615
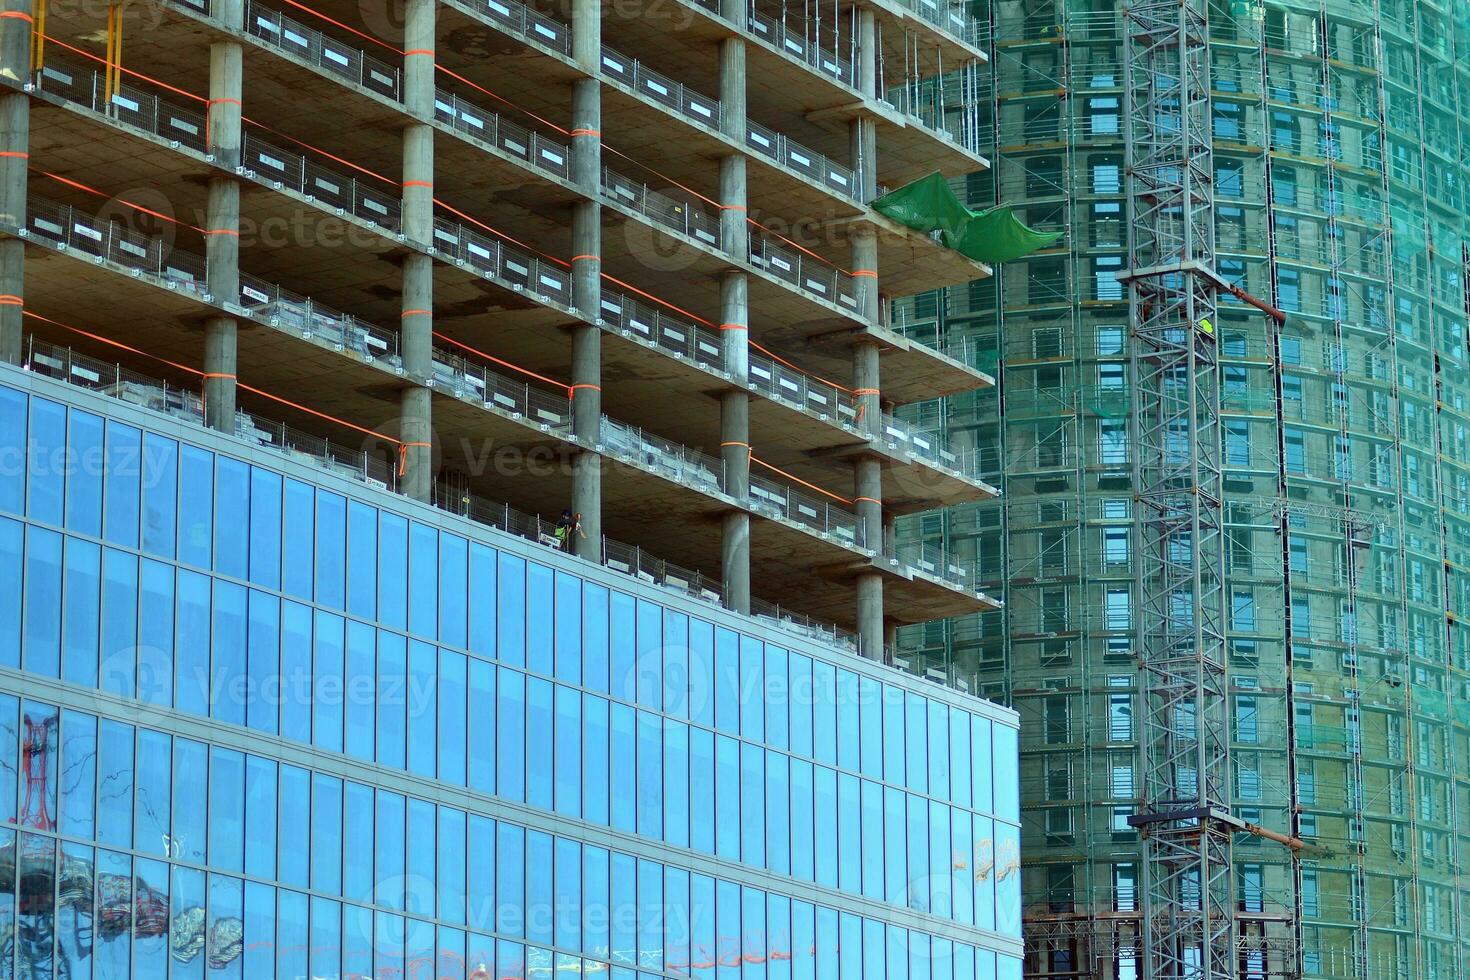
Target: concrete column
x=735 y=440
x=868 y=500
x=587 y=276
x=863 y=131
x=15 y=142
x=416 y=319
x=222 y=229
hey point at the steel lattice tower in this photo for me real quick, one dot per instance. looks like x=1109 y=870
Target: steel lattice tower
x=1175 y=415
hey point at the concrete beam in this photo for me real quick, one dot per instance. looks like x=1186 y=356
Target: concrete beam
x=15 y=142
x=416 y=319
x=222 y=238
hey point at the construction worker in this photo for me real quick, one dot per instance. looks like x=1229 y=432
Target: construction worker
x=568 y=526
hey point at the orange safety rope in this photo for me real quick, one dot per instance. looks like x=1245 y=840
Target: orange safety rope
x=136 y=207
x=127 y=71
x=514 y=367
x=796 y=479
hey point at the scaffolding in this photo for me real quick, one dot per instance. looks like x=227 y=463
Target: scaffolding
x=1339 y=181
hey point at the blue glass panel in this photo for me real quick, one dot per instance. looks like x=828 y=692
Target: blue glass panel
x=150 y=942
x=649 y=680
x=539 y=747
x=778 y=813
x=676 y=920
x=261 y=813
x=702 y=790
x=510 y=717
x=850 y=944
x=704 y=935
x=228 y=690
x=46 y=454
x=595 y=899
x=452 y=717
x=916 y=743
x=13 y=412
x=870 y=725
x=482 y=600
x=921 y=956
x=360 y=701
x=623 y=661
x=676 y=664
x=650 y=775
x=981 y=764
x=872 y=836
x=650 y=912
x=191 y=685
x=293 y=848
x=569 y=628
x=777 y=698
x=595 y=759
x=801 y=704
x=326 y=834
x=1007 y=877
x=298 y=561
x=623 y=768
x=511 y=619
x=391 y=700
x=84 y=482
x=623 y=887
x=941 y=900
x=186 y=907
x=895 y=851
x=196 y=506
x=12 y=553
x=362 y=560
x=325 y=945
x=752 y=689
x=1007 y=968
x=778 y=937
x=480 y=873
x=567 y=770
x=702 y=672
x=960 y=776
x=727 y=797
x=849 y=714
x=81 y=614
x=918 y=856
x=331 y=549
x=961 y=888
x=293 y=936
x=359 y=809
x=43 y=599
x=77 y=812
x=188 y=838
x=824 y=793
x=964 y=961
x=451 y=858
x=258 y=957
x=481 y=766
x=297 y=681
x=727 y=681
x=510 y=880
x=423 y=708
x=676 y=783
x=540 y=916
x=423 y=580
x=480 y=955
x=113 y=946
x=231 y=502
x=824 y=712
x=226 y=809
x=893 y=735
x=326 y=700
x=540 y=619
x=114 y=781
x=938 y=750
x=731 y=952
x=120 y=500
x=389 y=849
x=263 y=663
x=898 y=954
x=118 y=665
x=849 y=835
x=803 y=941
x=803 y=826
x=392 y=570
x=453 y=590
x=160 y=494
x=1004 y=768
x=156 y=633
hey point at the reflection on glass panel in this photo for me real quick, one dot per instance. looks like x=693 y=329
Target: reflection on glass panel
x=702 y=790
x=74 y=915
x=753 y=805
x=423 y=580
x=510 y=880
x=650 y=775
x=112 y=940
x=326 y=701
x=46 y=452
x=777 y=698
x=482 y=599
x=676 y=783
x=160 y=488
x=850 y=944
x=292 y=934
x=849 y=838
x=510 y=717
x=293 y=846
x=388 y=945
x=595 y=750
x=296 y=672
x=893 y=735
x=916 y=761
x=362 y=560
x=452 y=867
x=623 y=655
x=985 y=872
x=13 y=412
x=114 y=783
x=298 y=537
x=480 y=876
x=81 y=615
x=331 y=549
x=702 y=672
x=263 y=663
x=875 y=940
x=84 y=482
x=224 y=937
x=567 y=762
x=391 y=703
x=650 y=913
x=421 y=696
x=567 y=894
x=675 y=692
x=453 y=589
x=226 y=694
x=824 y=713
x=452 y=718
x=12 y=551
x=540 y=619
x=895 y=851
x=511 y=618
x=537 y=878
x=803 y=845
x=918 y=841
x=595 y=901
x=727 y=797
x=825 y=794
x=35 y=877
x=154 y=793
x=1003 y=765
x=752 y=690
x=325 y=944
x=259 y=924
x=961 y=778
x=78 y=767
x=357 y=861
x=357 y=941
x=226 y=809
x=481 y=763
x=623 y=889
x=727 y=681
x=568 y=627
x=872 y=834
x=392 y=570
x=1008 y=879
x=801 y=704
x=420 y=869
x=150 y=917
x=326 y=833
x=649 y=680
x=390 y=851
x=450 y=961
x=192 y=682
x=980 y=762
x=622 y=768
x=191 y=770
x=360 y=698
x=260 y=817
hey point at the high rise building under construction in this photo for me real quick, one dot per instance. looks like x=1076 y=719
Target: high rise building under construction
x=1336 y=196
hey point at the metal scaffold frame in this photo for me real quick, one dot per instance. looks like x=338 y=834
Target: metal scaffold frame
x=1188 y=906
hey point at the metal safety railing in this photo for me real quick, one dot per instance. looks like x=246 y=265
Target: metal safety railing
x=542 y=152
x=661 y=89
x=808 y=511
x=671 y=334
x=691 y=219
x=68 y=230
x=316 y=48
x=796 y=268
x=793 y=156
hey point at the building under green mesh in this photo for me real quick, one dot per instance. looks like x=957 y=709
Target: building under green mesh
x=1342 y=129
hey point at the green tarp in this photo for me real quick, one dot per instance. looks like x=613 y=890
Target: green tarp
x=992 y=235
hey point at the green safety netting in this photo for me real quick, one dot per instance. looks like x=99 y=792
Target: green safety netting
x=992 y=235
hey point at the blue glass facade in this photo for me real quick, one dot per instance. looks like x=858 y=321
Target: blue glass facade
x=258 y=722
